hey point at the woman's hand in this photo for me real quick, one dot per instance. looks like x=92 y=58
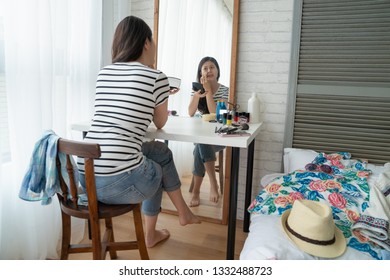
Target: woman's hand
x=173 y=91
x=200 y=94
x=205 y=83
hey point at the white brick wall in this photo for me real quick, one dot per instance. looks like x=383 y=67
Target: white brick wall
x=262 y=67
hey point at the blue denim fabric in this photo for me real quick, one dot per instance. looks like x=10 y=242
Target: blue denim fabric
x=204 y=153
x=41 y=181
x=142 y=184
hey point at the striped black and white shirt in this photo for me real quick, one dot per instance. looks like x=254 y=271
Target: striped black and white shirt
x=221 y=94
x=126 y=95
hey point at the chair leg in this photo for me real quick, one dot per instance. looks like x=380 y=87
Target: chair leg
x=220 y=170
x=96 y=240
x=89 y=230
x=66 y=231
x=192 y=184
x=139 y=231
x=110 y=228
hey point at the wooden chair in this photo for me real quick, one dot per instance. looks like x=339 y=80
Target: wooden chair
x=219 y=169
x=95 y=211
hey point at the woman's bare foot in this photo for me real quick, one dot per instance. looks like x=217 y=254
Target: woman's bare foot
x=185 y=214
x=195 y=200
x=152 y=239
x=188 y=218
x=214 y=195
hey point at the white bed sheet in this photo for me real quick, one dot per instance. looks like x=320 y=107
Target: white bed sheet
x=267 y=241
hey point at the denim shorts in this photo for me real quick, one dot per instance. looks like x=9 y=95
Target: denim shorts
x=143 y=184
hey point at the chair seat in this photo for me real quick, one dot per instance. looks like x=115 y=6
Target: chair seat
x=104 y=210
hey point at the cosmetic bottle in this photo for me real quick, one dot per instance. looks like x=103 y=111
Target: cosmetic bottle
x=254 y=108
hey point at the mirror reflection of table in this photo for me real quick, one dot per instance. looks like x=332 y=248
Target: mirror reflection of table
x=194 y=130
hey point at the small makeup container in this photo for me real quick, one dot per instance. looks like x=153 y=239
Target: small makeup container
x=224 y=118
x=248 y=116
x=243 y=117
x=229 y=120
x=236 y=117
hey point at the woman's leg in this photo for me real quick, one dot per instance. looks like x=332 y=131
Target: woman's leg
x=185 y=215
x=204 y=161
x=153 y=236
x=162 y=155
x=142 y=184
x=198 y=174
x=195 y=199
x=210 y=169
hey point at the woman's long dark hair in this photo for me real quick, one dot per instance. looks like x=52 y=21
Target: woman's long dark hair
x=129 y=39
x=202 y=105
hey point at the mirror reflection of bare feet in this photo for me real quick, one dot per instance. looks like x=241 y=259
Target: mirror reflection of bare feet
x=157 y=237
x=214 y=195
x=194 y=202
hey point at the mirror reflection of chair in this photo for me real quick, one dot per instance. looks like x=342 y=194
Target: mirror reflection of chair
x=95 y=211
x=219 y=169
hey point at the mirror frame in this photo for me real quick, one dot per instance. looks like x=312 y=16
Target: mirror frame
x=232 y=92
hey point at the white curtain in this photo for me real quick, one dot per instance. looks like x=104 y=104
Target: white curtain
x=52 y=57
x=188 y=31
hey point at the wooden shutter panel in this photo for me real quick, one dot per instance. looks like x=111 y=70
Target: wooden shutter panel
x=359 y=125
x=343 y=80
x=345 y=43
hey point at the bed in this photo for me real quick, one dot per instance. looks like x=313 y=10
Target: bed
x=357 y=192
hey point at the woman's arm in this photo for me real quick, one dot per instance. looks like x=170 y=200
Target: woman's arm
x=208 y=94
x=194 y=103
x=211 y=104
x=161 y=114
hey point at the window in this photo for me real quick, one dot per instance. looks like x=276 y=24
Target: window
x=4 y=133
x=340 y=78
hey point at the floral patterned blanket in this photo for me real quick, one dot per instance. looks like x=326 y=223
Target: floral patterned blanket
x=343 y=187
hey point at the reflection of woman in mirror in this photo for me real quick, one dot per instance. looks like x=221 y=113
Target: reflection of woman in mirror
x=205 y=103
x=129 y=96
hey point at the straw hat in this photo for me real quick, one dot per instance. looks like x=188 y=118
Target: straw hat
x=309 y=224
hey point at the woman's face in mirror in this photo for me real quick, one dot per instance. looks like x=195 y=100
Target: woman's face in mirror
x=209 y=71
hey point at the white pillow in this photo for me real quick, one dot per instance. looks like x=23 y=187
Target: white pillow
x=266 y=179
x=297 y=158
x=377 y=170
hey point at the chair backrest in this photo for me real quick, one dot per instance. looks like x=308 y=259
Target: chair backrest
x=88 y=151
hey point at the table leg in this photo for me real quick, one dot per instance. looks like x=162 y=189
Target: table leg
x=248 y=187
x=235 y=163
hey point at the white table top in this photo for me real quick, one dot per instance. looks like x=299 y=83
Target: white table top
x=194 y=130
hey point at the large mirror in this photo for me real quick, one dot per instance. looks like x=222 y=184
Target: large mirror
x=185 y=31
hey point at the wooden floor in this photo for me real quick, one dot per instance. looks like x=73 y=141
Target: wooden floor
x=207 y=211
x=205 y=241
